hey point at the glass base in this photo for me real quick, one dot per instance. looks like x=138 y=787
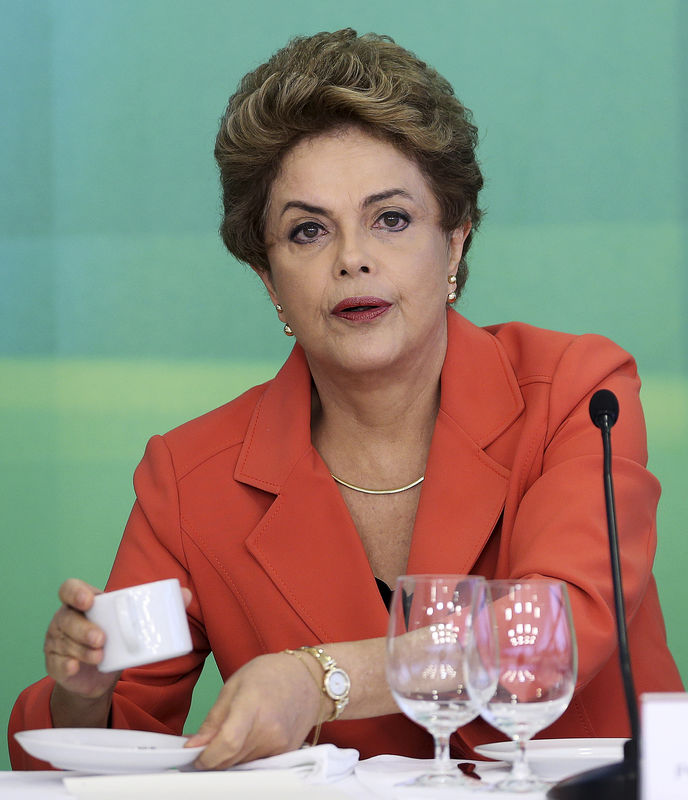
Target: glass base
x=438 y=781
x=527 y=784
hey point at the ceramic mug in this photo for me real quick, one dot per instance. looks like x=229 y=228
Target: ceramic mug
x=142 y=624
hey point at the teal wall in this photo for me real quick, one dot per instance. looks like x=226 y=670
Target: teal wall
x=121 y=316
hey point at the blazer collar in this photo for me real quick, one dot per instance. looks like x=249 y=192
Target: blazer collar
x=480 y=394
x=279 y=432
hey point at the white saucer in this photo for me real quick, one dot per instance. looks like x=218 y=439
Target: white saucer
x=556 y=759
x=104 y=750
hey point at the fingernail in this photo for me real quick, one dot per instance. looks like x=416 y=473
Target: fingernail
x=197 y=740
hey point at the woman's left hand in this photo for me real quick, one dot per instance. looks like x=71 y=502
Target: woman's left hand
x=267 y=707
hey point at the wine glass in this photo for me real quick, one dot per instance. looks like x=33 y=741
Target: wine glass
x=535 y=667
x=429 y=642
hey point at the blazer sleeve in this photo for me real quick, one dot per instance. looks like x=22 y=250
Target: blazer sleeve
x=560 y=530
x=155 y=697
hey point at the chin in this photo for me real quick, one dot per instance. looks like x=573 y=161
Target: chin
x=375 y=351
x=371 y=359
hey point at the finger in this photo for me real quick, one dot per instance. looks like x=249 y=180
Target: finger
x=218 y=713
x=258 y=738
x=187 y=596
x=227 y=747
x=200 y=739
x=77 y=594
x=213 y=720
x=74 y=625
x=217 y=732
x=208 y=729
x=59 y=644
x=61 y=668
x=79 y=679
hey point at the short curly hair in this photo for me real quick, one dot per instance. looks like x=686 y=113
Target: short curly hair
x=321 y=82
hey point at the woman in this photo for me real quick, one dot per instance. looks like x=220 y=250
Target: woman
x=397 y=438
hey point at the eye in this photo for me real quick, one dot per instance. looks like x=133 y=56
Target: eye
x=306 y=232
x=392 y=221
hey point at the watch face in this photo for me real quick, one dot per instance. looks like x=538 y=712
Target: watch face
x=338 y=684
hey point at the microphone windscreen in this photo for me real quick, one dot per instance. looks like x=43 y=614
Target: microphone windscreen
x=604 y=403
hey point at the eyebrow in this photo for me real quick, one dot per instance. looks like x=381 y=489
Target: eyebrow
x=373 y=198
x=386 y=195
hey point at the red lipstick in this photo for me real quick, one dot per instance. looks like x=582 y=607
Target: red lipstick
x=360 y=309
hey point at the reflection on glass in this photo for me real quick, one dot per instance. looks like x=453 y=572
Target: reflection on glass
x=534 y=665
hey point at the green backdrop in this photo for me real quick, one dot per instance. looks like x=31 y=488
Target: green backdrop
x=121 y=316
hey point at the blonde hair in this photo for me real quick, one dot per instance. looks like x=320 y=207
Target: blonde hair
x=321 y=82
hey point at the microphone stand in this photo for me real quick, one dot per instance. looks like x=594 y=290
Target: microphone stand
x=614 y=781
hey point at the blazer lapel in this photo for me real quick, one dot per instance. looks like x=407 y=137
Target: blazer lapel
x=306 y=542
x=465 y=490
x=308 y=545
x=462 y=499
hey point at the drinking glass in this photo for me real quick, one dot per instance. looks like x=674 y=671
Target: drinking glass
x=429 y=642
x=535 y=666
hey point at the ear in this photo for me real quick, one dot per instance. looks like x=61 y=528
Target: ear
x=266 y=277
x=457 y=239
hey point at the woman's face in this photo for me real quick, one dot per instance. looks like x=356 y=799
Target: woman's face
x=358 y=260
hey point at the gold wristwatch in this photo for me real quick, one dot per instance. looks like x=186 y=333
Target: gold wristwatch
x=336 y=682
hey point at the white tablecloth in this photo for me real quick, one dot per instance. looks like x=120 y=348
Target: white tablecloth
x=373 y=779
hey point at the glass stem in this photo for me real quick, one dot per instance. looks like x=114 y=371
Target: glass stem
x=520 y=770
x=442 y=764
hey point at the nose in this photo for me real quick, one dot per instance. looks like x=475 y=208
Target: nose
x=353 y=256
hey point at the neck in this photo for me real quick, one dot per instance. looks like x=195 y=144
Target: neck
x=375 y=429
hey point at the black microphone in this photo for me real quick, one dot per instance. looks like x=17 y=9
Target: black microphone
x=615 y=781
x=604 y=404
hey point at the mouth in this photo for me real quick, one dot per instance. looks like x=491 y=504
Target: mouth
x=361 y=309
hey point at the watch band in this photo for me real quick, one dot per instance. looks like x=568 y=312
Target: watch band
x=330 y=670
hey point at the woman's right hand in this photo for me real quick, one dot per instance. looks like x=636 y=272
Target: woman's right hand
x=74 y=645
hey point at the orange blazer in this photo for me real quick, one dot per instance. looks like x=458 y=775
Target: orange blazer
x=241 y=508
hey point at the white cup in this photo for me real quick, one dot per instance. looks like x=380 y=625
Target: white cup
x=142 y=624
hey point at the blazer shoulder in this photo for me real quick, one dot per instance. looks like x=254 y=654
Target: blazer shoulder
x=542 y=355
x=214 y=432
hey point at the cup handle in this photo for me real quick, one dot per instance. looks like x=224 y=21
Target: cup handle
x=126 y=613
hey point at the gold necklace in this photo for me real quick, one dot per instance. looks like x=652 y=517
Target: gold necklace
x=378 y=491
